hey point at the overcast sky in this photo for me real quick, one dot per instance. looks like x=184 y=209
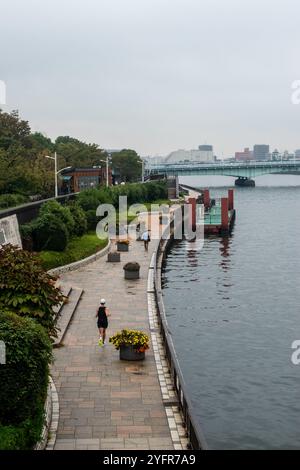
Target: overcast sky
x=155 y=75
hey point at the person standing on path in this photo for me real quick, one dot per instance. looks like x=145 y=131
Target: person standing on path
x=102 y=322
x=146 y=239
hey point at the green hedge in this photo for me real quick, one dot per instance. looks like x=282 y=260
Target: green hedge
x=11 y=200
x=60 y=212
x=24 y=381
x=80 y=219
x=49 y=233
x=136 y=193
x=78 y=248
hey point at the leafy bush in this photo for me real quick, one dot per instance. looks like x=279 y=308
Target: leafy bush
x=49 y=233
x=80 y=219
x=26 y=289
x=24 y=380
x=62 y=213
x=11 y=200
x=92 y=220
x=25 y=435
x=26 y=232
x=89 y=200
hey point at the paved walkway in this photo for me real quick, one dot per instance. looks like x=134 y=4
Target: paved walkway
x=106 y=403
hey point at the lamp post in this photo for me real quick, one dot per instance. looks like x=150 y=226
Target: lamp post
x=56 y=172
x=143 y=177
x=106 y=161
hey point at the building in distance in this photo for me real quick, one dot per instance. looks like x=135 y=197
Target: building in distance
x=203 y=154
x=261 y=152
x=244 y=156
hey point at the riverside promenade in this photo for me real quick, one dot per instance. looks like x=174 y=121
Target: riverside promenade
x=106 y=403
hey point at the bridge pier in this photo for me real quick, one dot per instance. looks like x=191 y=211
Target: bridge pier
x=243 y=181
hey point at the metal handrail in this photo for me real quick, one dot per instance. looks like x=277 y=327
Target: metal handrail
x=193 y=428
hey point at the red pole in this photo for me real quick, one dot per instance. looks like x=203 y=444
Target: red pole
x=192 y=211
x=206 y=198
x=224 y=213
x=230 y=199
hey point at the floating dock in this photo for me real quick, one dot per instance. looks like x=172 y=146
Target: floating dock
x=219 y=214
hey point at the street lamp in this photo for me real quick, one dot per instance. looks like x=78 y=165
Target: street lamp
x=106 y=161
x=56 y=172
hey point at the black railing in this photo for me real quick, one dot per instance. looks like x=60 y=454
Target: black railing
x=193 y=428
x=29 y=211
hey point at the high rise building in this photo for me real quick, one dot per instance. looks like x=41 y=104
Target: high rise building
x=297 y=153
x=261 y=152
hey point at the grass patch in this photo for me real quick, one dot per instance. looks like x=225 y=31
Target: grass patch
x=78 y=248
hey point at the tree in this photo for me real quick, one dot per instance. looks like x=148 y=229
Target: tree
x=77 y=153
x=13 y=130
x=41 y=142
x=127 y=164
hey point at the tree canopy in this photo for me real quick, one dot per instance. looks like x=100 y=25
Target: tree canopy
x=127 y=165
x=25 y=170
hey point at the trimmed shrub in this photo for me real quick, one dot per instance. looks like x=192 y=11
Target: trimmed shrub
x=80 y=219
x=92 y=219
x=62 y=213
x=24 y=380
x=11 y=200
x=26 y=232
x=89 y=199
x=78 y=248
x=26 y=289
x=49 y=233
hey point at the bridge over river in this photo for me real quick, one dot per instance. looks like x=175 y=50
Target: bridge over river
x=244 y=172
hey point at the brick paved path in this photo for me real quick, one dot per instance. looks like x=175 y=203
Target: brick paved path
x=106 y=403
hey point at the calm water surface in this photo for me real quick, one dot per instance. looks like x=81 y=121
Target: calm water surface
x=233 y=310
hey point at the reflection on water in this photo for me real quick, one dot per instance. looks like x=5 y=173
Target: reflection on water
x=233 y=326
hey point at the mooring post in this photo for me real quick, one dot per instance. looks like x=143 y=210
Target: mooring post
x=206 y=198
x=224 y=214
x=192 y=212
x=230 y=199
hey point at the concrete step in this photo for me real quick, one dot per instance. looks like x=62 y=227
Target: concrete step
x=66 y=313
x=66 y=290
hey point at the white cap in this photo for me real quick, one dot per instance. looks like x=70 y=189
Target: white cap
x=102 y=301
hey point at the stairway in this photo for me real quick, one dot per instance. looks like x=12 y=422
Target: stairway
x=65 y=310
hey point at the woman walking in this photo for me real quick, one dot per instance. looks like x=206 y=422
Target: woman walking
x=102 y=322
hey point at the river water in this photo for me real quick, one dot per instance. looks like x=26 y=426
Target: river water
x=233 y=309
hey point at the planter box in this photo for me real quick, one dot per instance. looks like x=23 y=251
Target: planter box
x=132 y=274
x=122 y=246
x=114 y=257
x=128 y=353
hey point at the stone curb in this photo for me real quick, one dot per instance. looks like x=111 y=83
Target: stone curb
x=48 y=418
x=55 y=417
x=174 y=416
x=80 y=263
